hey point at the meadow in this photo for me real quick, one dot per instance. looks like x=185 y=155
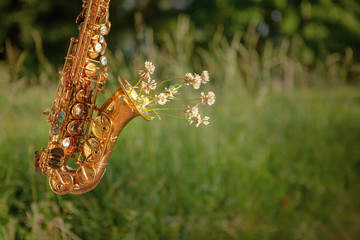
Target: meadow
x=279 y=160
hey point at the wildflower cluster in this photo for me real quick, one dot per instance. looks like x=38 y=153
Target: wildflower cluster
x=196 y=80
x=149 y=96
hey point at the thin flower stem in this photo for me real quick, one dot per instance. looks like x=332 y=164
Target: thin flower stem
x=176 y=86
x=135 y=85
x=170 y=115
x=151 y=105
x=138 y=96
x=168 y=80
x=138 y=82
x=185 y=100
x=162 y=109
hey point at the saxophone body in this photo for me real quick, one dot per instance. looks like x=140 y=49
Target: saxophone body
x=81 y=131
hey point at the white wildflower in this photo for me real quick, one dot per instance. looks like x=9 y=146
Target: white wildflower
x=203 y=98
x=206 y=120
x=144 y=74
x=204 y=77
x=149 y=69
x=199 y=120
x=147 y=98
x=191 y=112
x=207 y=99
x=149 y=66
x=146 y=87
x=142 y=102
x=152 y=85
x=170 y=92
x=188 y=78
x=188 y=112
x=161 y=99
x=196 y=81
x=210 y=98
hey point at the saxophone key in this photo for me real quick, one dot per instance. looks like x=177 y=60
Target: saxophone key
x=85 y=174
x=78 y=110
x=91 y=149
x=101 y=125
x=92 y=53
x=90 y=69
x=104 y=45
x=61 y=182
x=56 y=158
x=74 y=128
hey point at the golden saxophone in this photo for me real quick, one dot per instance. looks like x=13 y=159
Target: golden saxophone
x=80 y=130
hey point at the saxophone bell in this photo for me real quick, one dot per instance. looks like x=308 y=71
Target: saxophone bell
x=113 y=116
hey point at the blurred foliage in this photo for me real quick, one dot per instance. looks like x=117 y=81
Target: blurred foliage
x=33 y=29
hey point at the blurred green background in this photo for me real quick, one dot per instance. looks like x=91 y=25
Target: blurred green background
x=280 y=159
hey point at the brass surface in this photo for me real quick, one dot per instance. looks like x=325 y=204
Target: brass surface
x=79 y=129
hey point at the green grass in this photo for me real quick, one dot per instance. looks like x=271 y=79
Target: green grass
x=271 y=166
x=280 y=159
